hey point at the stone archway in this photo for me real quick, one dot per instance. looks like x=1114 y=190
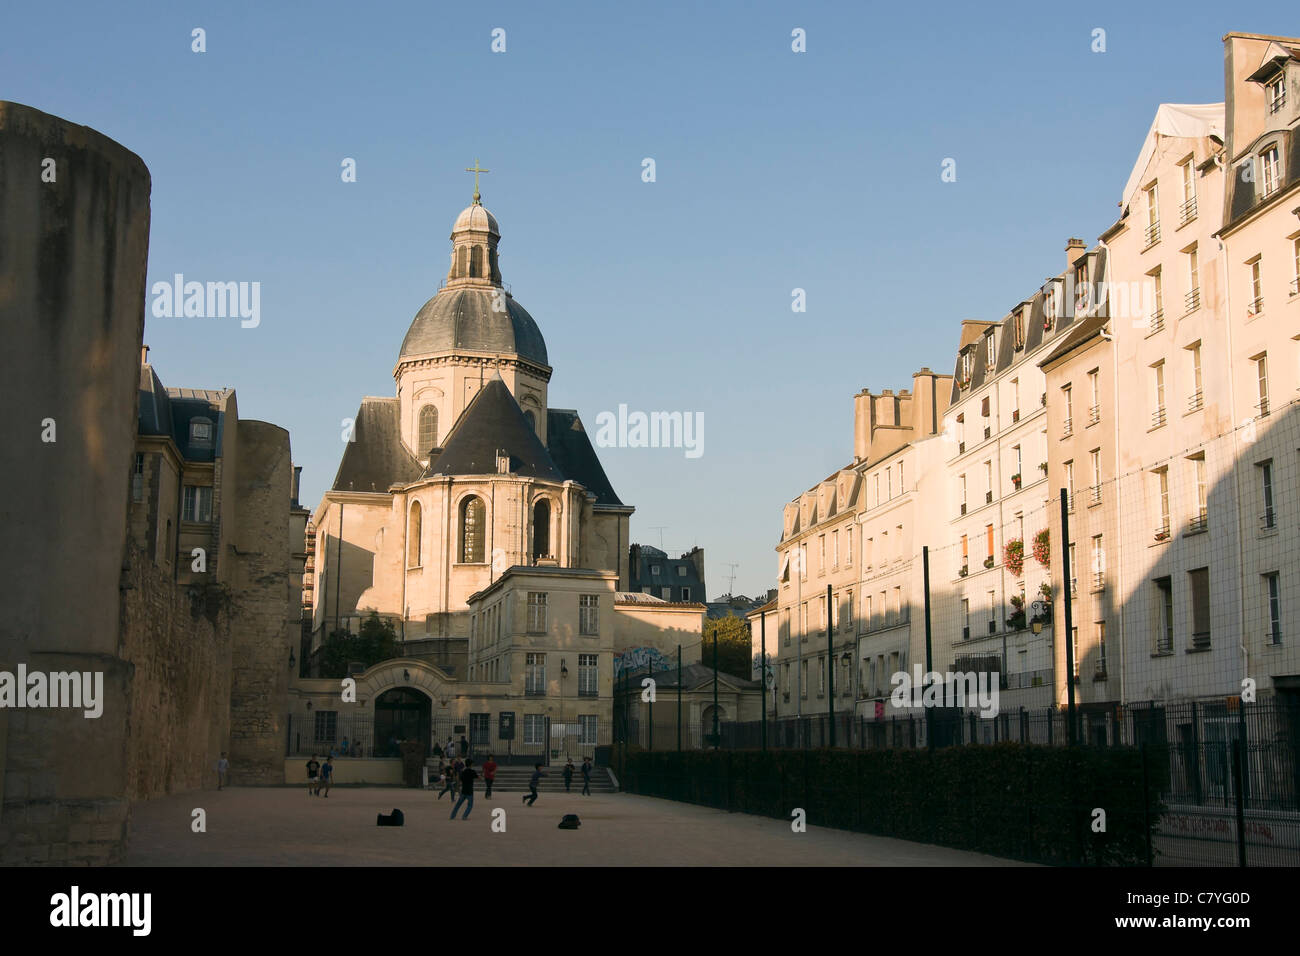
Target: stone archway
x=401 y=713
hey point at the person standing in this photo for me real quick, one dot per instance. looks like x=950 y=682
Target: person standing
x=327 y=775
x=223 y=771
x=568 y=775
x=313 y=776
x=449 y=751
x=531 y=796
x=467 y=777
x=586 y=776
x=464 y=746
x=448 y=781
x=489 y=773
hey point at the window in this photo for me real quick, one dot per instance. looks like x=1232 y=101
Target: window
x=1074 y=570
x=201 y=431
x=988 y=482
x=587 y=675
x=1069 y=485
x=1261 y=378
x=1158 y=301
x=1165 y=610
x=848 y=545
x=821 y=614
x=965 y=617
x=471 y=530
x=898 y=603
x=1100 y=669
x=1094 y=493
x=966 y=367
x=1187 y=208
x=197 y=503
x=821 y=677
x=1094 y=391
x=848 y=609
x=535 y=674
x=428 y=432
x=1018 y=323
x=1273 y=597
x=326 y=729
x=1200 y=519
x=1192 y=301
x=866 y=611
x=990 y=351
x=1098 y=563
x=536 y=612
x=686 y=594
x=803 y=622
x=1295 y=250
x=681 y=570
x=666 y=593
x=1275 y=93
x=1158 y=384
x=1067 y=399
x=1015 y=400
x=992 y=609
x=803 y=679
x=821 y=552
x=835 y=548
x=988 y=537
x=655 y=569
x=1270 y=171
x=1152 y=194
x=137 y=479
x=1081 y=290
x=965 y=556
x=542 y=529
x=1267 y=520
x=1256 y=303
x=588 y=622
x=961 y=491
x=413 y=536
x=1162 y=491
x=1074 y=646
x=1199 y=580
x=1197 y=399
x=534 y=730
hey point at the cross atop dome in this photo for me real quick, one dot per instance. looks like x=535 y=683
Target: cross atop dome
x=475 y=169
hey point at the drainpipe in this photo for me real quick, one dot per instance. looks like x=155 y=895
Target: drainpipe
x=1232 y=428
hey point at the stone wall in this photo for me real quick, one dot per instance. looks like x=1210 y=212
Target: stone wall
x=177 y=640
x=264 y=613
x=73 y=250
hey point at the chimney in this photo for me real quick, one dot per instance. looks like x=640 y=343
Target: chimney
x=862 y=422
x=1073 y=250
x=297 y=484
x=144 y=355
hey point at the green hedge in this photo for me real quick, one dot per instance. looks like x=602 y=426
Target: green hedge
x=1013 y=800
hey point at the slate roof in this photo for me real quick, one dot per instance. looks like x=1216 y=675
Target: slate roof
x=493 y=420
x=464 y=319
x=376 y=457
x=167 y=412
x=573 y=454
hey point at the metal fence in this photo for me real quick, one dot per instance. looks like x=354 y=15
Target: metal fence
x=361 y=735
x=1227 y=773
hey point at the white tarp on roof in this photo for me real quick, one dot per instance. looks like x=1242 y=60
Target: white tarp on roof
x=1185 y=120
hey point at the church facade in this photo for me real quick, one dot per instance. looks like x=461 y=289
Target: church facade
x=480 y=523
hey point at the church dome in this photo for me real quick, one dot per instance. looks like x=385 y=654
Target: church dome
x=463 y=318
x=474 y=218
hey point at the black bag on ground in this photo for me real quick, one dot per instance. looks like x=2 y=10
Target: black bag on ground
x=394 y=819
x=570 y=822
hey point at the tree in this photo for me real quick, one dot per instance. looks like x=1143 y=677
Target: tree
x=377 y=641
x=735 y=655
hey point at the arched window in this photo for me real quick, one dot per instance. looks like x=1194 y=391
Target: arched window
x=541 y=529
x=461 y=254
x=413 y=536
x=471 y=530
x=428 y=430
x=476 y=262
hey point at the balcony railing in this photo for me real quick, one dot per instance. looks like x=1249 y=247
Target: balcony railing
x=1099 y=580
x=1268 y=520
x=1152 y=233
x=965 y=633
x=1274 y=633
x=1295 y=286
x=1074 y=587
x=1157 y=322
x=1187 y=211
x=1158 y=417
x=1196 y=401
x=1201 y=641
x=963 y=507
x=1277 y=103
x=961 y=447
x=1198 y=522
x=1162 y=532
x=988 y=497
x=1255 y=306
x=1069 y=501
x=1094 y=414
x=987 y=431
x=1015 y=414
x=1263 y=408
x=1192 y=300
x=1094 y=494
x=1067 y=428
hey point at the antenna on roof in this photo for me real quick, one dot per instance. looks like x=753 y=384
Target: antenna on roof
x=660 y=529
x=731 y=578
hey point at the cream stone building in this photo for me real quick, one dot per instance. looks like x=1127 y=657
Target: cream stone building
x=859 y=533
x=480 y=523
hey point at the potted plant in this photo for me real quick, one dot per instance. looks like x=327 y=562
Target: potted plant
x=1013 y=556
x=1017 y=619
x=1043 y=548
x=988 y=562
x=1045 y=591
x=965 y=570
x=1015 y=480
x=1042 y=466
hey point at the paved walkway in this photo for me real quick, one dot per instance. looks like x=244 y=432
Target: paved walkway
x=282 y=826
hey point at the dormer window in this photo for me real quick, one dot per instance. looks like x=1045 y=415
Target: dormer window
x=1270 y=171
x=1018 y=324
x=1049 y=308
x=966 y=367
x=990 y=351
x=1275 y=93
x=201 y=431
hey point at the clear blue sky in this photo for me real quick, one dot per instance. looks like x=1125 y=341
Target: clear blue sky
x=775 y=170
